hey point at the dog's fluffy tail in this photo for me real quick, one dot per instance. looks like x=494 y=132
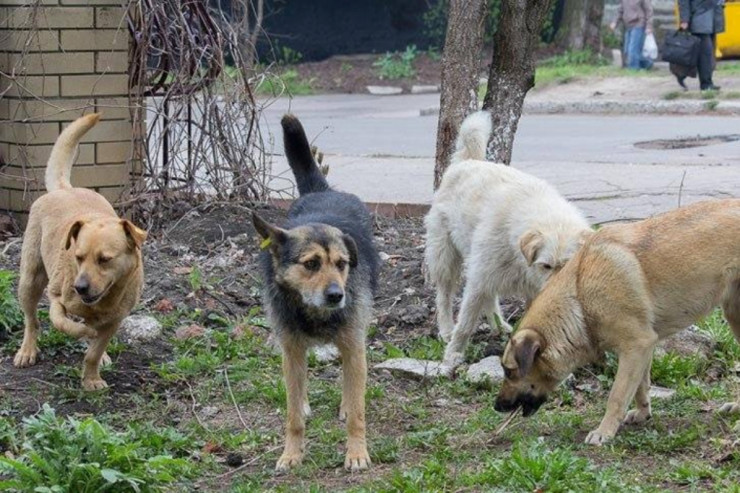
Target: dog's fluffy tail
x=59 y=166
x=308 y=177
x=472 y=139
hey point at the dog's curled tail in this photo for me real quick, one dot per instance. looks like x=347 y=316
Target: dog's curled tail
x=308 y=177
x=472 y=139
x=59 y=166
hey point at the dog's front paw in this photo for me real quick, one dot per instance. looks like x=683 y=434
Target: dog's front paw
x=288 y=461
x=726 y=408
x=306 y=409
x=637 y=416
x=598 y=438
x=25 y=357
x=91 y=384
x=357 y=459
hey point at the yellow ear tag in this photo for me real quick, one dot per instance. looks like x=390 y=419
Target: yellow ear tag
x=265 y=243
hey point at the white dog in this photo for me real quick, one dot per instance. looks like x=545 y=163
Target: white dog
x=510 y=230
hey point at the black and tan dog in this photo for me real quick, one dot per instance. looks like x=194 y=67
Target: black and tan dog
x=629 y=286
x=320 y=272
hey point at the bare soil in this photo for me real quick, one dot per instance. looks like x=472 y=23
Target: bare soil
x=216 y=247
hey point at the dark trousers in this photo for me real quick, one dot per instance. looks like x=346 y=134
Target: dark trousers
x=706 y=59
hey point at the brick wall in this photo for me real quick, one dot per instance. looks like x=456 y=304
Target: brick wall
x=59 y=61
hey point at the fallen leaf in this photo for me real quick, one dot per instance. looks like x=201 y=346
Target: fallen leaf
x=164 y=306
x=183 y=270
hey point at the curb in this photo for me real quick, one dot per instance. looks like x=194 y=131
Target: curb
x=386 y=209
x=613 y=107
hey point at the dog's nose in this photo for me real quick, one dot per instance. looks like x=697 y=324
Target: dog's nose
x=503 y=406
x=334 y=294
x=82 y=286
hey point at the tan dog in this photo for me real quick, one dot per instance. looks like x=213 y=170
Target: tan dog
x=88 y=256
x=630 y=286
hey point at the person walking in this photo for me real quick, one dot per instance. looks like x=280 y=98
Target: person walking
x=637 y=17
x=704 y=19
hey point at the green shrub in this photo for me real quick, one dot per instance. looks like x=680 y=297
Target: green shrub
x=394 y=66
x=10 y=312
x=66 y=455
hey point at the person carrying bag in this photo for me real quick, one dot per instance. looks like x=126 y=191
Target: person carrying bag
x=703 y=19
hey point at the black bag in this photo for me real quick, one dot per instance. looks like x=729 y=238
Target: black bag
x=681 y=48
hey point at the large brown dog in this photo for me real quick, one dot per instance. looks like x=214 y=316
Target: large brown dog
x=630 y=286
x=88 y=256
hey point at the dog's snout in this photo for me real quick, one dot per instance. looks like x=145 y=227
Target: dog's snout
x=334 y=293
x=503 y=405
x=82 y=286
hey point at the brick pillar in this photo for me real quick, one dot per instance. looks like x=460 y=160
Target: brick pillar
x=59 y=61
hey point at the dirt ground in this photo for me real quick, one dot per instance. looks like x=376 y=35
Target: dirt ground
x=217 y=247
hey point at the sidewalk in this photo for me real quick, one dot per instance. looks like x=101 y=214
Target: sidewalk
x=382 y=150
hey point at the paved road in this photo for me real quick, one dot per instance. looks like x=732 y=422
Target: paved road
x=382 y=150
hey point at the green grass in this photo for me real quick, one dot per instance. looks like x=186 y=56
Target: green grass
x=422 y=436
x=49 y=454
x=728 y=68
x=286 y=83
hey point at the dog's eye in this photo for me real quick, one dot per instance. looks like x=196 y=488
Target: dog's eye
x=547 y=266
x=312 y=265
x=104 y=260
x=79 y=258
x=341 y=264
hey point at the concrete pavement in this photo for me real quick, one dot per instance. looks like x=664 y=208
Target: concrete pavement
x=382 y=150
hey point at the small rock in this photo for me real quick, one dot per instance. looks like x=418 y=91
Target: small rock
x=326 y=353
x=589 y=388
x=182 y=270
x=139 y=328
x=189 y=332
x=384 y=256
x=415 y=368
x=661 y=392
x=689 y=342
x=424 y=89
x=234 y=459
x=209 y=412
x=488 y=369
x=441 y=402
x=384 y=90
x=414 y=314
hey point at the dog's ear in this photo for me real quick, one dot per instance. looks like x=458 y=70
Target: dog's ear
x=526 y=350
x=272 y=236
x=74 y=231
x=531 y=243
x=134 y=235
x=349 y=242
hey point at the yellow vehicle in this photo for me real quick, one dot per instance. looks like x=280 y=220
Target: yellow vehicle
x=728 y=42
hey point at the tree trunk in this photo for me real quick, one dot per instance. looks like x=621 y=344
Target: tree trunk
x=580 y=27
x=460 y=66
x=512 y=70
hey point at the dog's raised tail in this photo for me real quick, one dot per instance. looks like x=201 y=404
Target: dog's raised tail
x=308 y=177
x=59 y=166
x=472 y=139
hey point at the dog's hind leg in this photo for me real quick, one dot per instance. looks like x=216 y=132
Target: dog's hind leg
x=496 y=317
x=476 y=298
x=31 y=286
x=642 y=411
x=731 y=309
x=445 y=268
x=351 y=346
x=295 y=372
